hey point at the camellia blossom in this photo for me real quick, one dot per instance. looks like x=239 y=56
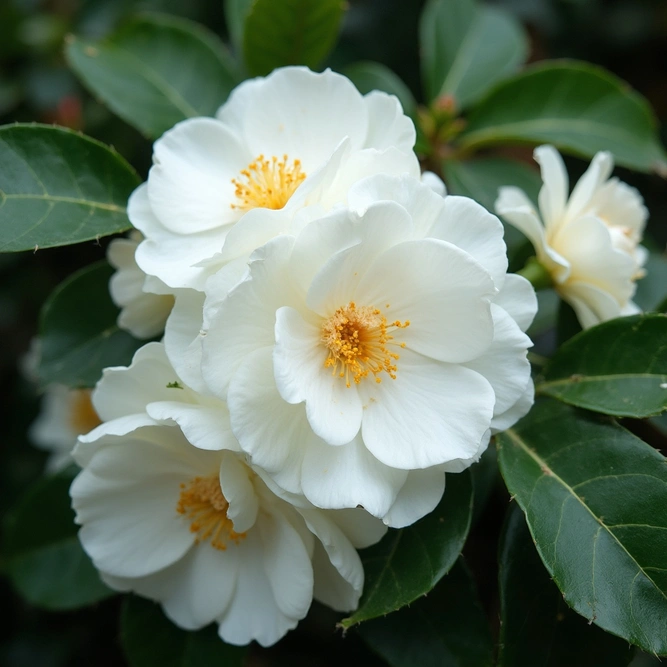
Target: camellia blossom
x=291 y=140
x=375 y=350
x=589 y=242
x=170 y=509
x=65 y=414
x=145 y=301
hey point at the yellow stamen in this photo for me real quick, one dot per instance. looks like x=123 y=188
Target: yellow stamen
x=202 y=503
x=267 y=183
x=357 y=340
x=82 y=416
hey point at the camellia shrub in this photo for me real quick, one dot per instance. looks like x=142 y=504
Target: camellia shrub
x=305 y=369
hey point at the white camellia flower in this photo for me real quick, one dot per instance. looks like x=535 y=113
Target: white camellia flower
x=375 y=350
x=220 y=187
x=589 y=242
x=65 y=414
x=145 y=301
x=171 y=510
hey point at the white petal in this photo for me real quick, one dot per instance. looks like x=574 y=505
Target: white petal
x=239 y=492
x=181 y=338
x=584 y=191
x=163 y=253
x=361 y=528
x=388 y=125
x=130 y=527
x=505 y=364
x=419 y=495
x=253 y=612
x=287 y=565
x=332 y=254
x=125 y=391
x=339 y=575
x=197 y=589
x=297 y=112
x=272 y=431
x=190 y=185
x=434 y=182
x=459 y=465
x=591 y=304
x=518 y=298
x=205 y=426
x=251 y=306
x=440 y=290
x=349 y=476
x=432 y=413
x=520 y=409
x=555 y=185
x=333 y=409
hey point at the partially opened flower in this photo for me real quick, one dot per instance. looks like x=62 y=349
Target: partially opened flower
x=375 y=350
x=197 y=528
x=65 y=414
x=589 y=241
x=279 y=144
x=145 y=301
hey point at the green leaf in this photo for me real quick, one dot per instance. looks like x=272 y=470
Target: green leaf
x=409 y=562
x=74 y=349
x=58 y=187
x=156 y=71
x=618 y=367
x=45 y=560
x=290 y=32
x=447 y=628
x=484 y=479
x=149 y=639
x=580 y=108
x=594 y=497
x=481 y=180
x=236 y=12
x=467 y=48
x=652 y=288
x=536 y=626
x=368 y=76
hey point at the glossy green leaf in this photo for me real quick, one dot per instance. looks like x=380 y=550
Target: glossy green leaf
x=236 y=12
x=45 y=560
x=156 y=71
x=594 y=497
x=58 y=187
x=290 y=32
x=618 y=367
x=149 y=639
x=652 y=288
x=467 y=47
x=74 y=349
x=579 y=108
x=409 y=562
x=536 y=626
x=447 y=628
x=481 y=180
x=368 y=76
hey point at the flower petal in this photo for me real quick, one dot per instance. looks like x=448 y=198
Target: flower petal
x=349 y=476
x=555 y=185
x=518 y=298
x=388 y=126
x=239 y=492
x=432 y=413
x=587 y=186
x=419 y=495
x=333 y=409
x=190 y=184
x=440 y=290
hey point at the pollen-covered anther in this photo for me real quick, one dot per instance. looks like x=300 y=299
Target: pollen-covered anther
x=202 y=503
x=358 y=340
x=267 y=183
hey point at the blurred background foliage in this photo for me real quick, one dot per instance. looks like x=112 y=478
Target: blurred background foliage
x=628 y=37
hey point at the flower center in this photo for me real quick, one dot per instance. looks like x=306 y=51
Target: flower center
x=267 y=183
x=357 y=338
x=82 y=417
x=202 y=503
